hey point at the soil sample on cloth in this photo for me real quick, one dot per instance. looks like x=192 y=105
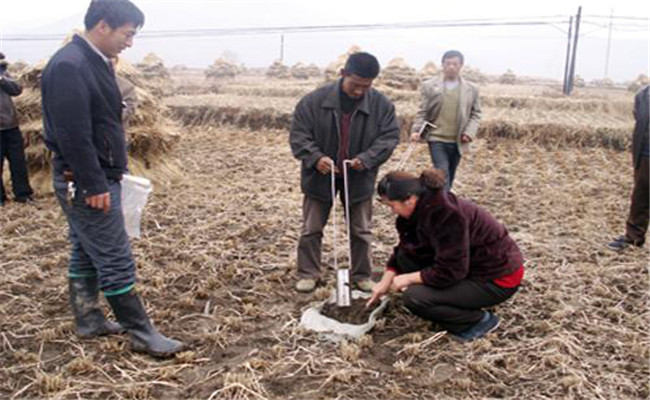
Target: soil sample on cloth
x=356 y=314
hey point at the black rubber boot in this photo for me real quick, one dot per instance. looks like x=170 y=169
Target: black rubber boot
x=88 y=316
x=145 y=338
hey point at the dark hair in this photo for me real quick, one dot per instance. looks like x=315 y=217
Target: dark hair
x=400 y=185
x=452 y=54
x=116 y=13
x=362 y=64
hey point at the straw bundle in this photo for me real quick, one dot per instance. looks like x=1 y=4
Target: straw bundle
x=579 y=81
x=155 y=75
x=638 y=83
x=333 y=70
x=508 y=78
x=278 y=70
x=473 y=74
x=602 y=83
x=16 y=68
x=398 y=74
x=222 y=68
x=149 y=131
x=302 y=71
x=429 y=70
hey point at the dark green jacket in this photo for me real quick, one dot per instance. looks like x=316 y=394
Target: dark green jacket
x=374 y=134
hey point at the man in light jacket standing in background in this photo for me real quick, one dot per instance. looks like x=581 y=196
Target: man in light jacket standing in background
x=451 y=105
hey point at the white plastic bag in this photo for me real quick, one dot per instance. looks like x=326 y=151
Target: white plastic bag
x=135 y=191
x=334 y=330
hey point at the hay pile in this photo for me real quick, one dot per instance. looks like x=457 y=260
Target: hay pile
x=429 y=70
x=278 y=70
x=638 y=83
x=302 y=71
x=222 y=68
x=473 y=74
x=602 y=83
x=579 y=81
x=399 y=75
x=150 y=132
x=155 y=75
x=16 y=68
x=508 y=78
x=333 y=70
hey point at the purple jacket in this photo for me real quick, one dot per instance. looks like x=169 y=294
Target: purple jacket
x=454 y=239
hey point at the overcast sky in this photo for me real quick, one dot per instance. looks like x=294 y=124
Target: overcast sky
x=527 y=50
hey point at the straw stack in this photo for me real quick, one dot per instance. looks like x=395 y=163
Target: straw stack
x=278 y=70
x=333 y=70
x=399 y=75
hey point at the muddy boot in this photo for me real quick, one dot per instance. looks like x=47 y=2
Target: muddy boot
x=88 y=316
x=145 y=338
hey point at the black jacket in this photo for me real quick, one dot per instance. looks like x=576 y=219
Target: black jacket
x=454 y=239
x=641 y=116
x=374 y=133
x=82 y=117
x=8 y=89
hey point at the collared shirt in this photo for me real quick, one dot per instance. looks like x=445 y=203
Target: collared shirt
x=92 y=46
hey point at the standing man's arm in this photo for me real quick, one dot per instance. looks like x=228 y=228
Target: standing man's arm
x=385 y=142
x=474 y=120
x=10 y=86
x=422 y=113
x=70 y=116
x=301 y=139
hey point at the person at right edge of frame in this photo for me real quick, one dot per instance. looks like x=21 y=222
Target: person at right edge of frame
x=82 y=117
x=451 y=105
x=344 y=120
x=636 y=225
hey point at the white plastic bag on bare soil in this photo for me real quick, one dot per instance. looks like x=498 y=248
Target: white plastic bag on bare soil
x=338 y=323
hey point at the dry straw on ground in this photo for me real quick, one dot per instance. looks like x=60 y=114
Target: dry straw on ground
x=216 y=264
x=217 y=260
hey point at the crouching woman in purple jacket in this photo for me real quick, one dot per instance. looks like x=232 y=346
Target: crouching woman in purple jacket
x=453 y=258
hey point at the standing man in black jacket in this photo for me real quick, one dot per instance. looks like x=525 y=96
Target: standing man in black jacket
x=82 y=116
x=345 y=120
x=636 y=226
x=11 y=139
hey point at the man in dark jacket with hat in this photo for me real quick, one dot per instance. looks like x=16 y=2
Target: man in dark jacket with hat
x=82 y=116
x=11 y=139
x=636 y=226
x=345 y=120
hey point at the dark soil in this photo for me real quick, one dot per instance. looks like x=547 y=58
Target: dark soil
x=356 y=314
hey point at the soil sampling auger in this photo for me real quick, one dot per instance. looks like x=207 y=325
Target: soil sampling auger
x=343 y=290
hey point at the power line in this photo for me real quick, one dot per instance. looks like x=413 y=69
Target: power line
x=207 y=32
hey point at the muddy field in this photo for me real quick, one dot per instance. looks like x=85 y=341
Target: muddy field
x=216 y=266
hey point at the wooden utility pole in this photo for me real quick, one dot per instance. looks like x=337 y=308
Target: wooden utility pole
x=609 y=43
x=565 y=83
x=281 y=48
x=572 y=71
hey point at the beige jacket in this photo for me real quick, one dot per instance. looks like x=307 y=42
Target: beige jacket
x=469 y=109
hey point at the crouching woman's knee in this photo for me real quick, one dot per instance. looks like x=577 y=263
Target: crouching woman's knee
x=414 y=298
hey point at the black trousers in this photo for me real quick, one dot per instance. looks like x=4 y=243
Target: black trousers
x=455 y=308
x=11 y=148
x=637 y=221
